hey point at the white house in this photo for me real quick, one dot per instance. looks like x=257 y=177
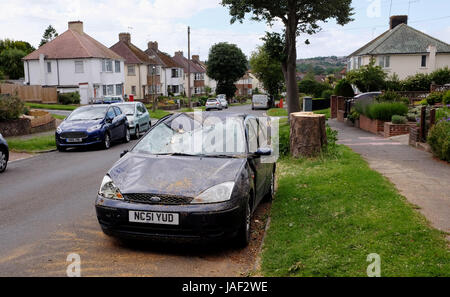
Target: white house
x=402 y=50
x=75 y=62
x=167 y=71
x=197 y=73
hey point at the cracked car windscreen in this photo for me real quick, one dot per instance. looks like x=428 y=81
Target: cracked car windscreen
x=186 y=136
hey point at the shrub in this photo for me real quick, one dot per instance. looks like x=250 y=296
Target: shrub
x=435 y=97
x=69 y=98
x=327 y=94
x=312 y=87
x=446 y=98
x=439 y=140
x=393 y=83
x=353 y=116
x=344 y=88
x=418 y=82
x=385 y=110
x=11 y=107
x=391 y=96
x=368 y=78
x=399 y=120
x=441 y=76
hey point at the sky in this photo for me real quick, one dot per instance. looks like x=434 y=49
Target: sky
x=166 y=21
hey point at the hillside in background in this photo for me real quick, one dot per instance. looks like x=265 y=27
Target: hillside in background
x=322 y=65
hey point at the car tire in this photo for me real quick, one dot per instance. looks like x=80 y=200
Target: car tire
x=244 y=234
x=107 y=141
x=3 y=161
x=253 y=107
x=127 y=136
x=61 y=149
x=271 y=193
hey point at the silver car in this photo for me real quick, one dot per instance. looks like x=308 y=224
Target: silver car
x=224 y=102
x=213 y=103
x=138 y=117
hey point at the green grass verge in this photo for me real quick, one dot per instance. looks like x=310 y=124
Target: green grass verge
x=58 y=117
x=32 y=145
x=203 y=108
x=326 y=112
x=158 y=114
x=330 y=213
x=51 y=106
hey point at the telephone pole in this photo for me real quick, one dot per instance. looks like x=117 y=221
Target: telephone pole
x=189 y=66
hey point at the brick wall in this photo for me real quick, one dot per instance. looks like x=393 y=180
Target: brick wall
x=373 y=126
x=333 y=104
x=15 y=127
x=414 y=135
x=395 y=129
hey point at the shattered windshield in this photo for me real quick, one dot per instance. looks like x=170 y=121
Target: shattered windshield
x=185 y=135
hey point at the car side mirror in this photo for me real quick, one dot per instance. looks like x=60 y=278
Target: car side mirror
x=124 y=153
x=109 y=120
x=264 y=151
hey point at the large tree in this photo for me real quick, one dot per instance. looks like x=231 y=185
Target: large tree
x=11 y=62
x=49 y=34
x=226 y=64
x=267 y=70
x=298 y=16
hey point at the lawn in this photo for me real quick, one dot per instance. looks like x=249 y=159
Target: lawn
x=158 y=114
x=32 y=145
x=58 y=117
x=51 y=106
x=331 y=212
x=281 y=112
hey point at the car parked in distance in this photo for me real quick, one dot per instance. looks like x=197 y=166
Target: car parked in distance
x=260 y=101
x=175 y=184
x=224 y=102
x=92 y=125
x=109 y=100
x=213 y=103
x=222 y=96
x=4 y=154
x=138 y=117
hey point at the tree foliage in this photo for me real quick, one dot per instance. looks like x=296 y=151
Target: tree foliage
x=226 y=64
x=344 y=88
x=368 y=78
x=267 y=70
x=49 y=34
x=11 y=54
x=298 y=17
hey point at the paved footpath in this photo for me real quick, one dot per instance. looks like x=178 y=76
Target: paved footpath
x=423 y=180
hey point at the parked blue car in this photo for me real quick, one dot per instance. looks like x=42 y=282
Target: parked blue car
x=4 y=154
x=93 y=125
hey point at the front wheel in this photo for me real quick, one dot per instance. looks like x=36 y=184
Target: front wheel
x=107 y=141
x=137 y=133
x=244 y=234
x=127 y=136
x=61 y=149
x=3 y=161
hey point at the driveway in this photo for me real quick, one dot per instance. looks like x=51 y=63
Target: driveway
x=47 y=212
x=423 y=180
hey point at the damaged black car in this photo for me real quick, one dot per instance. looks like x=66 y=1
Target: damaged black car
x=193 y=176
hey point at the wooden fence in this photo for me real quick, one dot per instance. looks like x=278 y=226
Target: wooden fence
x=31 y=93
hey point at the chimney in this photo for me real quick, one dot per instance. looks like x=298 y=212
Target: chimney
x=396 y=20
x=179 y=53
x=196 y=58
x=153 y=45
x=76 y=26
x=125 y=37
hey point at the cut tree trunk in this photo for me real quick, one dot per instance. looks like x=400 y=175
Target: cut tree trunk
x=308 y=134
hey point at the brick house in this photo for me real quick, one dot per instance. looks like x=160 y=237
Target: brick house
x=197 y=76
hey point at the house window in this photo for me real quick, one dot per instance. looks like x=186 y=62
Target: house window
x=117 y=66
x=359 y=62
x=49 y=67
x=199 y=76
x=175 y=89
x=107 y=66
x=133 y=90
x=153 y=70
x=424 y=61
x=384 y=61
x=79 y=67
x=176 y=72
x=131 y=70
x=119 y=90
x=108 y=90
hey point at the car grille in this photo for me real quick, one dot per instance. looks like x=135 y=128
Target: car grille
x=74 y=135
x=165 y=199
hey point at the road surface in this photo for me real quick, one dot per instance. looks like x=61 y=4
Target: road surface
x=47 y=212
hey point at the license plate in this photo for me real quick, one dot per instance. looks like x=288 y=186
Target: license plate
x=74 y=140
x=147 y=217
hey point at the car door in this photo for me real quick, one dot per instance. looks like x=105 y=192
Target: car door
x=251 y=125
x=264 y=141
x=143 y=117
x=110 y=116
x=119 y=123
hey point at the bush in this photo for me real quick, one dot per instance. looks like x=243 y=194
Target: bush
x=435 y=97
x=391 y=96
x=11 y=107
x=446 y=98
x=399 y=120
x=312 y=87
x=69 y=98
x=439 y=140
x=344 y=88
x=418 y=82
x=385 y=110
x=327 y=94
x=441 y=76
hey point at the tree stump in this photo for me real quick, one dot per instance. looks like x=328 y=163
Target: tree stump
x=308 y=134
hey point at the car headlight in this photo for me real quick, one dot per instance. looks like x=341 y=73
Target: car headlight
x=218 y=193
x=58 y=130
x=94 y=128
x=109 y=190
